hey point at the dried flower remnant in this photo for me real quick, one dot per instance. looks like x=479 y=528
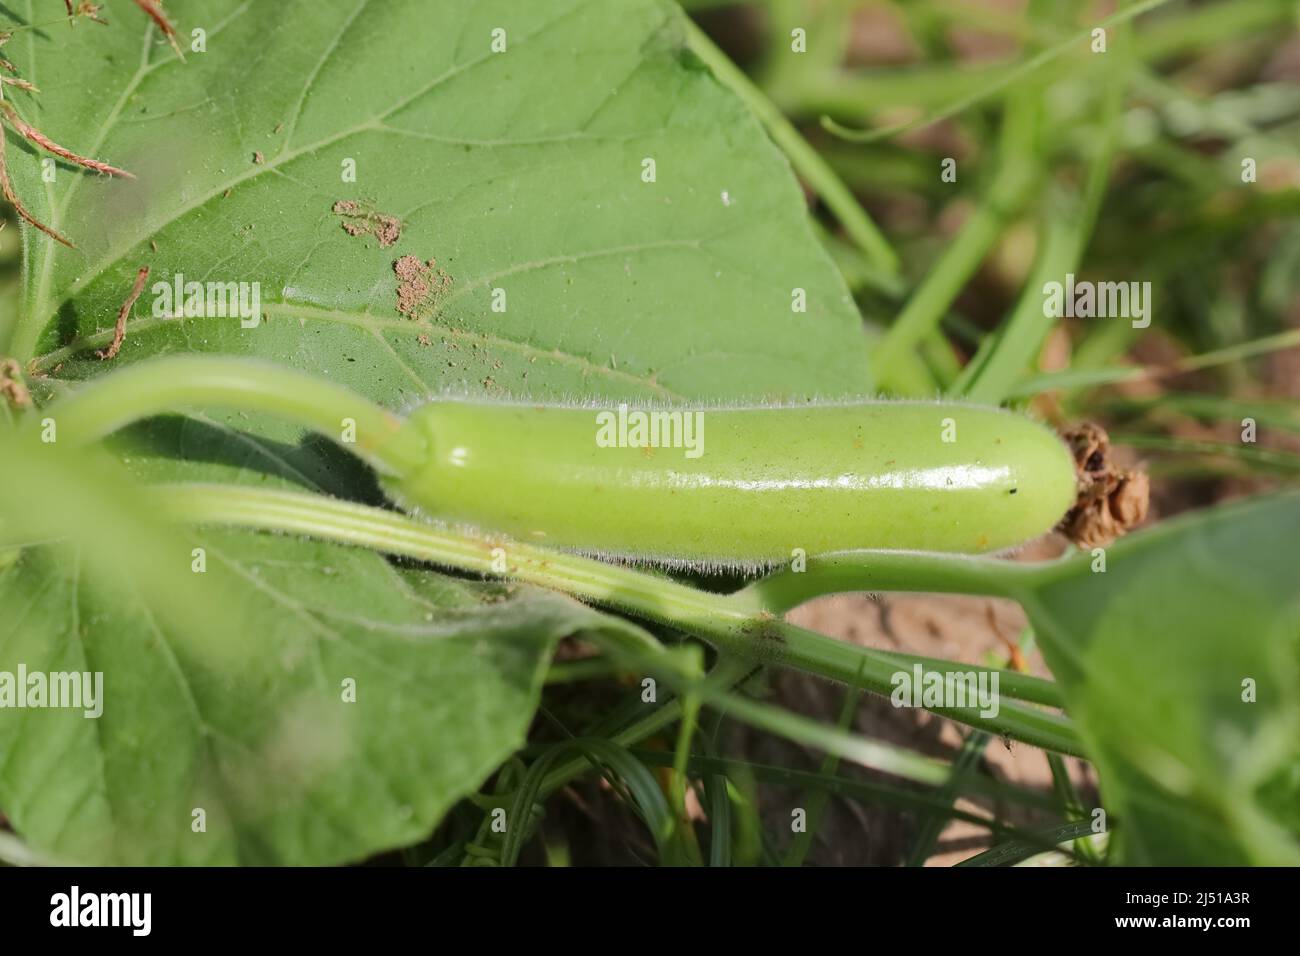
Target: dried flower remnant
x=10 y=114
x=8 y=67
x=154 y=9
x=11 y=197
x=12 y=386
x=124 y=313
x=420 y=287
x=32 y=134
x=18 y=83
x=361 y=219
x=85 y=9
x=1111 y=501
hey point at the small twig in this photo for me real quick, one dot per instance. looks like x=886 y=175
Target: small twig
x=29 y=132
x=119 y=329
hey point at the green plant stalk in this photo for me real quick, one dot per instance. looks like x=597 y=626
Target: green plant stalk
x=1268 y=413
x=1003 y=357
x=1211 y=26
x=1082 y=378
x=738 y=625
x=806 y=160
x=888 y=571
x=646 y=798
x=932 y=825
x=1019 y=169
x=1071 y=805
x=814 y=799
x=728 y=672
x=861 y=93
x=713 y=691
x=866 y=791
x=1274 y=459
x=1004 y=354
x=1020 y=71
x=108 y=403
x=1061 y=836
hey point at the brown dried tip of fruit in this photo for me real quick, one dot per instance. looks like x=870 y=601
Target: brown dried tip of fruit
x=1111 y=501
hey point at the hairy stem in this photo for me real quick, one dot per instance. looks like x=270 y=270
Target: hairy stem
x=737 y=624
x=164 y=385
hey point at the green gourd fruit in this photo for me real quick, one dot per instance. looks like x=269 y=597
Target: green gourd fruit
x=740 y=486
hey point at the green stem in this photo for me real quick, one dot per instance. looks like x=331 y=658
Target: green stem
x=735 y=624
x=806 y=160
x=887 y=571
x=726 y=673
x=1019 y=169
x=1080 y=378
x=162 y=385
x=1075 y=41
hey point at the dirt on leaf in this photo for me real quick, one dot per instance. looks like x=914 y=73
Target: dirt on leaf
x=420 y=287
x=361 y=219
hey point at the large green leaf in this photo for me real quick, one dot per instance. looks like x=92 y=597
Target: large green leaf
x=519 y=170
x=226 y=684
x=1181 y=668
x=286 y=770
